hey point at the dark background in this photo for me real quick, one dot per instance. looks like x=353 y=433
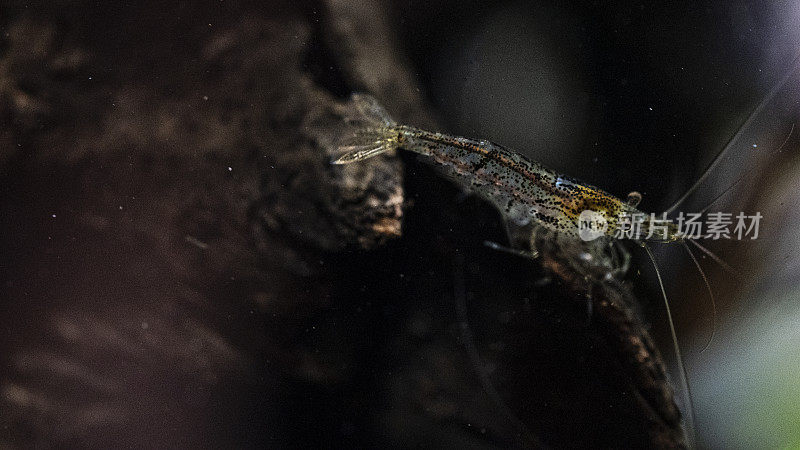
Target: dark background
x=144 y=304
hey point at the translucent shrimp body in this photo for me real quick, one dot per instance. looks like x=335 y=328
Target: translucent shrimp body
x=523 y=190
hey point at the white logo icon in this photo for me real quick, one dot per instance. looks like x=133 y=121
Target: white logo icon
x=591 y=225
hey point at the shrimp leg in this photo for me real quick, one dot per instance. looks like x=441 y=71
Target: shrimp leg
x=511 y=251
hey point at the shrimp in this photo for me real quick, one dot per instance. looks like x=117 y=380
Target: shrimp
x=522 y=190
x=539 y=204
x=532 y=198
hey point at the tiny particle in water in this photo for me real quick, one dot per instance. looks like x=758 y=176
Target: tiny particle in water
x=120 y=208
x=90 y=78
x=54 y=216
x=230 y=169
x=145 y=325
x=650 y=108
x=755 y=145
x=205 y=97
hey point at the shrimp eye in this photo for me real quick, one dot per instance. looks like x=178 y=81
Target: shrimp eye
x=634 y=198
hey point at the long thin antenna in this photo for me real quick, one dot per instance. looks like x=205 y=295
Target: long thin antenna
x=716 y=259
x=677 y=349
x=710 y=294
x=785 y=140
x=741 y=177
x=735 y=137
x=727 y=189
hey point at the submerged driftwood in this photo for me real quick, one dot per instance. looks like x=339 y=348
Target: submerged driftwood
x=183 y=267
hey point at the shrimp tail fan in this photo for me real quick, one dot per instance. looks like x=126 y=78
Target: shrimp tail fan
x=366 y=131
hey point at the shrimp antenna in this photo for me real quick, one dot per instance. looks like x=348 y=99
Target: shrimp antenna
x=710 y=294
x=716 y=259
x=741 y=177
x=735 y=137
x=728 y=189
x=786 y=140
x=676 y=348
x=460 y=295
